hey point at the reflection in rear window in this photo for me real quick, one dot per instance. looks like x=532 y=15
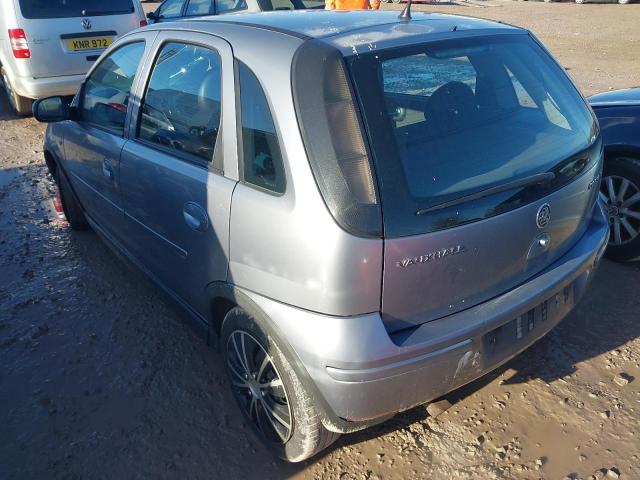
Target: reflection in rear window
x=461 y=117
x=73 y=8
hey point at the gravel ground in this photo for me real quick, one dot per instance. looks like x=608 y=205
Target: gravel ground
x=101 y=378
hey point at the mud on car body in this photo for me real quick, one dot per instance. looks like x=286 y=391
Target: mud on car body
x=367 y=212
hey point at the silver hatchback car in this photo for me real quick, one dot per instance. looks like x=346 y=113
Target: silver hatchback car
x=367 y=211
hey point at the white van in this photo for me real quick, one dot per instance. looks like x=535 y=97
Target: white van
x=47 y=46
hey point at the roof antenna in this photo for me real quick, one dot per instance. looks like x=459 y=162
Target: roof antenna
x=405 y=16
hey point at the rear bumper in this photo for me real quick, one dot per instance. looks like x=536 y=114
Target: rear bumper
x=364 y=373
x=46 y=87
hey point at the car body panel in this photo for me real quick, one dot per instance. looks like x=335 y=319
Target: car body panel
x=617 y=98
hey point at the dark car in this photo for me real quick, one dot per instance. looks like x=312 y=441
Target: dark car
x=618 y=112
x=175 y=9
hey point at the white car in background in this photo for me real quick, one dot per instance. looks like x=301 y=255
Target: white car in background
x=47 y=46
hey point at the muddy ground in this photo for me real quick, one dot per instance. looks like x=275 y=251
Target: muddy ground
x=101 y=378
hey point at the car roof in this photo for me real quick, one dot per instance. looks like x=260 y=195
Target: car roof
x=315 y=23
x=352 y=32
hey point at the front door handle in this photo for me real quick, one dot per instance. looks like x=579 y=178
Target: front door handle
x=195 y=217
x=107 y=168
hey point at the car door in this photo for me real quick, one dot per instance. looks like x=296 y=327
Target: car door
x=93 y=142
x=176 y=195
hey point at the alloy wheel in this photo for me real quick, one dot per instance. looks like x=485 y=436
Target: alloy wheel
x=622 y=198
x=258 y=386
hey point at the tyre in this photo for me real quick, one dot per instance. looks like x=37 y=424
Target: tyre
x=396 y=1
x=620 y=191
x=268 y=391
x=580 y=1
x=20 y=105
x=70 y=205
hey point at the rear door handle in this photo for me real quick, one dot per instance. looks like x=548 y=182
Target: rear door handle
x=107 y=168
x=195 y=217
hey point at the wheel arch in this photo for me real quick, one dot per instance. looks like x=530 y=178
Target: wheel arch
x=615 y=151
x=225 y=296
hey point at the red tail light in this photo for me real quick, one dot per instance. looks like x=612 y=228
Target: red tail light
x=118 y=106
x=143 y=23
x=19 y=44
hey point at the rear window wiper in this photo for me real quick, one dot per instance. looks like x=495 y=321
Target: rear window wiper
x=537 y=179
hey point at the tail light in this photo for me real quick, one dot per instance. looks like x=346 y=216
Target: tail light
x=143 y=23
x=334 y=139
x=19 y=44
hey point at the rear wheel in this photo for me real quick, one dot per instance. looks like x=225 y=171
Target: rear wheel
x=70 y=205
x=620 y=191
x=268 y=391
x=20 y=105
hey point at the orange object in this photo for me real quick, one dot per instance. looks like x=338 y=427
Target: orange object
x=352 y=4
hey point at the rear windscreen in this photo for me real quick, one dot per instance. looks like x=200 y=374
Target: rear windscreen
x=451 y=119
x=73 y=8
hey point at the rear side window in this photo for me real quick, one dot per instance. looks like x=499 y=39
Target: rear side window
x=228 y=6
x=170 y=9
x=181 y=107
x=199 y=7
x=73 y=8
x=106 y=92
x=261 y=152
x=465 y=116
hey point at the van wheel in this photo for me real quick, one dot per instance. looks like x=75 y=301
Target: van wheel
x=20 y=105
x=70 y=205
x=620 y=191
x=268 y=391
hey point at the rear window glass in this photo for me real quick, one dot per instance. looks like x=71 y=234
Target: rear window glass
x=73 y=8
x=461 y=117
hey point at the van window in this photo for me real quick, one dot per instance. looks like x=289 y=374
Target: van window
x=73 y=8
x=261 y=152
x=106 y=92
x=181 y=107
x=465 y=116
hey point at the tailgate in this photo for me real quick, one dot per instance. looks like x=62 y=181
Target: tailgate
x=433 y=275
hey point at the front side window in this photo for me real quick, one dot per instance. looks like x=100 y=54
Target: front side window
x=262 y=159
x=181 y=106
x=199 y=7
x=462 y=117
x=228 y=6
x=170 y=9
x=106 y=92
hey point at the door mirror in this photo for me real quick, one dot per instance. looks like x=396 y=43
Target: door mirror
x=52 y=109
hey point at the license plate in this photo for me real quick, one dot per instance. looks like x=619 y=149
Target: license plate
x=88 y=43
x=510 y=336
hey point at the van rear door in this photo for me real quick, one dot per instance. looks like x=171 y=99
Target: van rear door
x=66 y=36
x=488 y=162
